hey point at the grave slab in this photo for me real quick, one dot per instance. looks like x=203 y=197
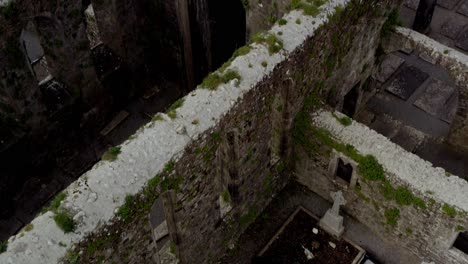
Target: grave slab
x=463 y=8
x=389 y=65
x=447 y=4
x=462 y=40
x=434 y=98
x=406 y=81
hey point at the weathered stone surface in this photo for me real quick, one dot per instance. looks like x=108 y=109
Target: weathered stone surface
x=462 y=40
x=413 y=4
x=389 y=65
x=447 y=4
x=435 y=98
x=463 y=8
x=451 y=28
x=406 y=81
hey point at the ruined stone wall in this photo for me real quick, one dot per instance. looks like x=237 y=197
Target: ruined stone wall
x=417 y=206
x=231 y=144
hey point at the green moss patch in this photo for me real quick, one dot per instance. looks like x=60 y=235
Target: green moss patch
x=392 y=215
x=309 y=7
x=345 y=121
x=3 y=246
x=449 y=210
x=172 y=110
x=111 y=154
x=64 y=221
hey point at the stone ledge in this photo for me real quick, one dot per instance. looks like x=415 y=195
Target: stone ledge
x=404 y=166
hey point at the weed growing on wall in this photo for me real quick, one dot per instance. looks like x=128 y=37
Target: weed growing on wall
x=172 y=110
x=449 y=210
x=64 y=221
x=3 y=246
x=392 y=215
x=111 y=154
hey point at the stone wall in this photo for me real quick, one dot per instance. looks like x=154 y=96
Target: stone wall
x=229 y=145
x=417 y=206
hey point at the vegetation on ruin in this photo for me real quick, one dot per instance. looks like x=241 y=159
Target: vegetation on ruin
x=172 y=110
x=55 y=203
x=371 y=169
x=309 y=7
x=282 y=22
x=239 y=52
x=64 y=221
x=158 y=117
x=10 y=10
x=102 y=242
x=3 y=246
x=449 y=210
x=393 y=20
x=111 y=154
x=125 y=212
x=345 y=121
x=248 y=218
x=392 y=215
x=213 y=80
x=28 y=227
x=226 y=196
x=273 y=42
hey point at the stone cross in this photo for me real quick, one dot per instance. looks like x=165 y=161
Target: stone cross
x=338 y=201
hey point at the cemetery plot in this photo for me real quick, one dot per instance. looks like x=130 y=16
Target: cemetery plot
x=301 y=240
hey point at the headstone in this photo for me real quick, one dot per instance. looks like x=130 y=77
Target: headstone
x=157 y=219
x=332 y=221
x=406 y=81
x=423 y=18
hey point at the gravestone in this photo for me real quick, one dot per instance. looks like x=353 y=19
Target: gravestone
x=332 y=221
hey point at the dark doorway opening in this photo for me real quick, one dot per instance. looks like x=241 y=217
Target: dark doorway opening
x=344 y=171
x=228 y=29
x=350 y=101
x=217 y=29
x=461 y=242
